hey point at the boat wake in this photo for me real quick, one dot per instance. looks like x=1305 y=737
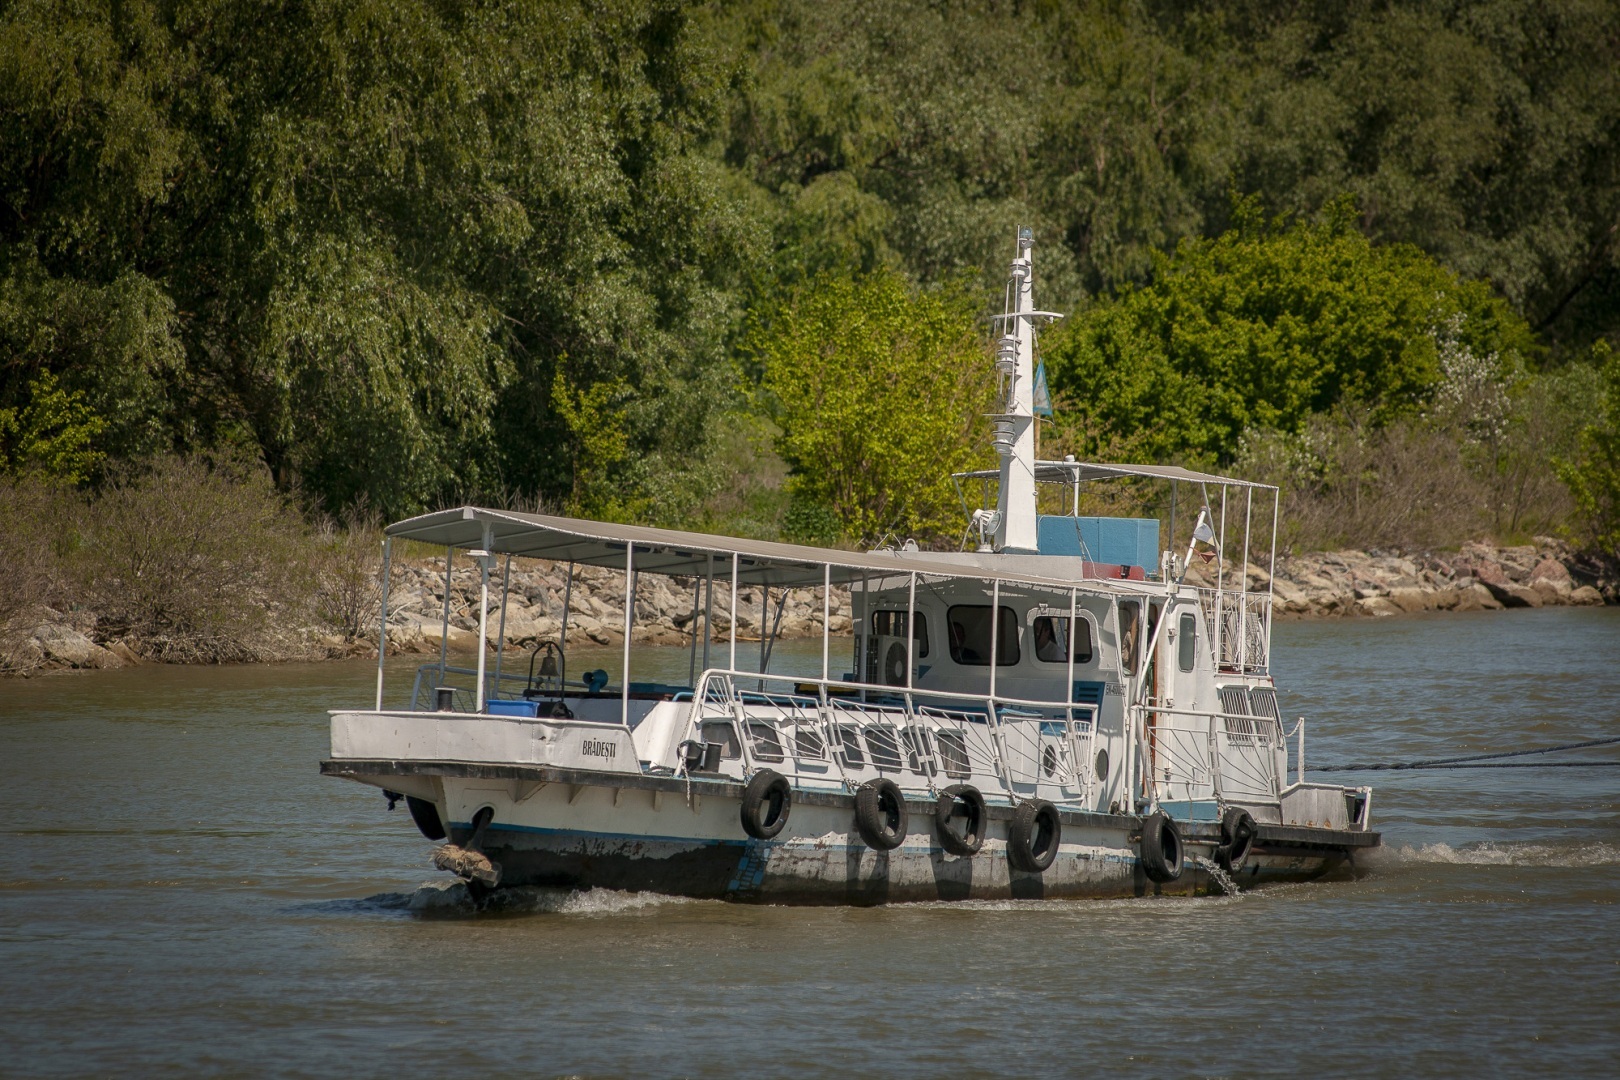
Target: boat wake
x=1491 y=853
x=455 y=900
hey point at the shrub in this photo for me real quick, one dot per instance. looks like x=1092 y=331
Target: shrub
x=195 y=560
x=348 y=585
x=1592 y=471
x=39 y=523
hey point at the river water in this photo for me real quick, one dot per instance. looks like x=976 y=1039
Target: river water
x=181 y=892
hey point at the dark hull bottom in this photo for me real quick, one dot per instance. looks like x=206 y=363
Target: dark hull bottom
x=851 y=874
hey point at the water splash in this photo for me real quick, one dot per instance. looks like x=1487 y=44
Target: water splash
x=453 y=898
x=1567 y=854
x=1220 y=877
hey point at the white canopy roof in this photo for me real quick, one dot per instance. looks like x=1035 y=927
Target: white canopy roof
x=686 y=554
x=1066 y=472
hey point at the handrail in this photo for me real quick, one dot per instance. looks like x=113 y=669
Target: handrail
x=1299 y=757
x=716 y=688
x=1241 y=771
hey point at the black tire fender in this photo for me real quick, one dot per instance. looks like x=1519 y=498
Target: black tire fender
x=1161 y=848
x=1237 y=839
x=880 y=814
x=766 y=802
x=426 y=816
x=1034 y=835
x=971 y=838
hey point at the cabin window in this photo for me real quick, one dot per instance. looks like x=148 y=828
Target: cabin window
x=1187 y=642
x=893 y=624
x=808 y=744
x=1130 y=633
x=723 y=733
x=919 y=752
x=970 y=635
x=849 y=746
x=1050 y=633
x=884 y=747
x=767 y=743
x=953 y=752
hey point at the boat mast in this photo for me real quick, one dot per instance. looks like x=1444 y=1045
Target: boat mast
x=1015 y=424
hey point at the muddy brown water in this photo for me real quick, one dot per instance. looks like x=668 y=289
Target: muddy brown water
x=181 y=892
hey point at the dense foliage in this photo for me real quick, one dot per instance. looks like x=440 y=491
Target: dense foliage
x=1263 y=328
x=1592 y=469
x=880 y=395
x=421 y=250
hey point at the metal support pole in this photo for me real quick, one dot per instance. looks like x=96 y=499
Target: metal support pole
x=995 y=635
x=1300 y=760
x=1128 y=730
x=1175 y=487
x=1074 y=628
x=1271 y=571
x=862 y=628
x=568 y=601
x=1220 y=588
x=708 y=613
x=382 y=637
x=826 y=615
x=500 y=644
x=733 y=635
x=911 y=630
x=764 y=618
x=691 y=663
x=1243 y=588
x=444 y=642
x=483 y=611
x=629 y=619
x=1080 y=767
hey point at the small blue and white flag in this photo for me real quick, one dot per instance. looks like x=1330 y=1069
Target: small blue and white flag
x=1040 y=400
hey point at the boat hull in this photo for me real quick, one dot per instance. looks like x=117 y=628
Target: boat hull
x=576 y=830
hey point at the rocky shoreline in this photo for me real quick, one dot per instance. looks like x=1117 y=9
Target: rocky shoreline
x=1478 y=577
x=663 y=615
x=1329 y=584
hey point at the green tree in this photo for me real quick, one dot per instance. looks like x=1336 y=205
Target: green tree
x=51 y=434
x=1486 y=133
x=880 y=390
x=1263 y=327
x=1593 y=472
x=359 y=237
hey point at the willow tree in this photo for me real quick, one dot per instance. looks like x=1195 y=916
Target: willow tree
x=363 y=239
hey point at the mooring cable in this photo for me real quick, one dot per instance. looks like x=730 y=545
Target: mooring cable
x=1473 y=761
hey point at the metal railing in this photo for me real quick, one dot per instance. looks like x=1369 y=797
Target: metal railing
x=844 y=733
x=1242 y=625
x=1221 y=755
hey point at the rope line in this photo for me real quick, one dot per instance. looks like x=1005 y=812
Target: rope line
x=1472 y=761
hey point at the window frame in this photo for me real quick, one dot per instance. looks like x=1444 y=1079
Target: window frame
x=1130 y=662
x=1187 y=642
x=1082 y=617
x=1007 y=634
x=919 y=628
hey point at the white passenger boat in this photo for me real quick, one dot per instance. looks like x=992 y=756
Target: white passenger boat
x=1062 y=712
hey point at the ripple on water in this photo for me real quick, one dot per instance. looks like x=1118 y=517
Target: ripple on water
x=1496 y=853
